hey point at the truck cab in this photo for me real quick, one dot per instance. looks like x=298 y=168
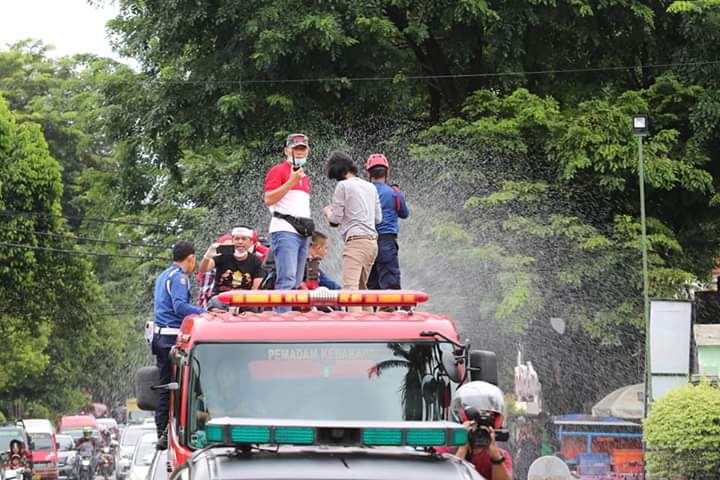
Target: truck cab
x=343 y=393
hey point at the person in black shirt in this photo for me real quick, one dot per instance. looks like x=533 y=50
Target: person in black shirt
x=235 y=267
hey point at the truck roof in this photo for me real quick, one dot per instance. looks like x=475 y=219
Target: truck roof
x=330 y=464
x=315 y=326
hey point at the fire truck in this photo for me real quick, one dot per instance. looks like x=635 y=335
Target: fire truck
x=322 y=392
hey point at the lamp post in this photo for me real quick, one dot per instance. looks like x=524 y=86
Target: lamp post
x=640 y=128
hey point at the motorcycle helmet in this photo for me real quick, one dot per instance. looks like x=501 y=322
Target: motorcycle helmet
x=87 y=431
x=480 y=402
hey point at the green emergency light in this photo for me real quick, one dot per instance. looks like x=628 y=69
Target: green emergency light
x=248 y=431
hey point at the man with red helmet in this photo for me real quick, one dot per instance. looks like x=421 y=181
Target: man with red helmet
x=385 y=272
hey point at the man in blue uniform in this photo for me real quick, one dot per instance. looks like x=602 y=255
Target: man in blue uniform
x=172 y=305
x=385 y=274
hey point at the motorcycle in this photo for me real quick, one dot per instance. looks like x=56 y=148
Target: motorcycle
x=85 y=467
x=106 y=466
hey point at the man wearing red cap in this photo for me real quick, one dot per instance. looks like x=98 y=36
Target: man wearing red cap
x=385 y=274
x=287 y=195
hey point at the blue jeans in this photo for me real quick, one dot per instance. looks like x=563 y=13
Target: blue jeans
x=291 y=251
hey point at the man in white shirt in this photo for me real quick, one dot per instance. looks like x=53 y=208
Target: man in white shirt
x=287 y=195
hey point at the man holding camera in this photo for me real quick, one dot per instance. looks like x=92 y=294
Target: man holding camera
x=479 y=406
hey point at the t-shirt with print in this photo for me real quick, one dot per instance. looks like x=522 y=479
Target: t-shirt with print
x=232 y=273
x=296 y=201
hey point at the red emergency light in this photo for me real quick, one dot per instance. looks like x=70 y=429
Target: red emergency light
x=323 y=298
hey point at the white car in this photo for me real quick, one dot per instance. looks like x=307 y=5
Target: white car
x=143 y=457
x=130 y=437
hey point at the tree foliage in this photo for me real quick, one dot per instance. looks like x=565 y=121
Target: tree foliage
x=682 y=432
x=508 y=124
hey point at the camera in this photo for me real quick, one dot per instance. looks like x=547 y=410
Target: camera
x=478 y=437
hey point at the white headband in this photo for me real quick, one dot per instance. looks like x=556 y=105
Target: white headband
x=242 y=232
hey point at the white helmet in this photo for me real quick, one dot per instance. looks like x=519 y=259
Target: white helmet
x=476 y=399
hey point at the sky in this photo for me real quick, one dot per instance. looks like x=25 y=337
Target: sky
x=72 y=26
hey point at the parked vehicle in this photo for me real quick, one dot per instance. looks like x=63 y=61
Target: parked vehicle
x=600 y=447
x=143 y=456
x=66 y=456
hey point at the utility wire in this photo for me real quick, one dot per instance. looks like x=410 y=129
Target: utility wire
x=80 y=252
x=11 y=213
x=85 y=239
x=385 y=78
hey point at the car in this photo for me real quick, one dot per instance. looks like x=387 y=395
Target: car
x=8 y=433
x=73 y=425
x=158 y=467
x=143 y=456
x=66 y=455
x=45 y=452
x=131 y=435
x=37 y=425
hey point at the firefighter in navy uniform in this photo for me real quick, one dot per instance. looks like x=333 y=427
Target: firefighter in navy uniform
x=385 y=274
x=172 y=305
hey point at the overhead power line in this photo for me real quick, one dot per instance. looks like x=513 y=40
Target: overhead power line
x=11 y=213
x=380 y=78
x=85 y=239
x=81 y=252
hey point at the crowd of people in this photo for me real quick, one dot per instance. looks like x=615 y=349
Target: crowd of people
x=365 y=212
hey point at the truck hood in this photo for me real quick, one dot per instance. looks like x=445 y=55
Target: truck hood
x=332 y=464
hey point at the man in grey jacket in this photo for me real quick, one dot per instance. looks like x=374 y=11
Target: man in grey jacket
x=355 y=210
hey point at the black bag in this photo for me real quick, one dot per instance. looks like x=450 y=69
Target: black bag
x=303 y=226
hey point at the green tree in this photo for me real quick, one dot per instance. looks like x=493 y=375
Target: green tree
x=682 y=432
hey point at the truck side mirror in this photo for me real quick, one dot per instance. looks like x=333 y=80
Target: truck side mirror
x=147 y=397
x=483 y=366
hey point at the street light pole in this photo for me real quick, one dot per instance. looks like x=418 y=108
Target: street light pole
x=640 y=129
x=646 y=279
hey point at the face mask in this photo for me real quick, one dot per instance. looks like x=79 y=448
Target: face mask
x=239 y=254
x=298 y=162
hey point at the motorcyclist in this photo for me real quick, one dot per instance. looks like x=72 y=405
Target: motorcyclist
x=105 y=435
x=479 y=406
x=20 y=458
x=106 y=462
x=87 y=445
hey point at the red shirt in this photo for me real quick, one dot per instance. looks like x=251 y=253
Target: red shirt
x=295 y=202
x=481 y=461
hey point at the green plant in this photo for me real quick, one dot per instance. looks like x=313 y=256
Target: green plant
x=682 y=433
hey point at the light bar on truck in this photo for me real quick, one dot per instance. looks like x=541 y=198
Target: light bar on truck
x=323 y=298
x=247 y=431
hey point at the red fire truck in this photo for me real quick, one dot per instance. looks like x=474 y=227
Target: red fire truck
x=314 y=382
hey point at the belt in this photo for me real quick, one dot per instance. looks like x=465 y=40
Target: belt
x=387 y=236
x=360 y=237
x=167 y=331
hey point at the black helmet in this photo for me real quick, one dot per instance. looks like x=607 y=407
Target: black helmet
x=477 y=401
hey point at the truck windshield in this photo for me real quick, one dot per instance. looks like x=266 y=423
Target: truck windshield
x=313 y=381
x=43 y=441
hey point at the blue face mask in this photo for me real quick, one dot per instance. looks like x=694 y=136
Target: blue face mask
x=297 y=162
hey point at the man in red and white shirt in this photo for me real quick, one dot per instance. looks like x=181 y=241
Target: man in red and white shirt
x=287 y=195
